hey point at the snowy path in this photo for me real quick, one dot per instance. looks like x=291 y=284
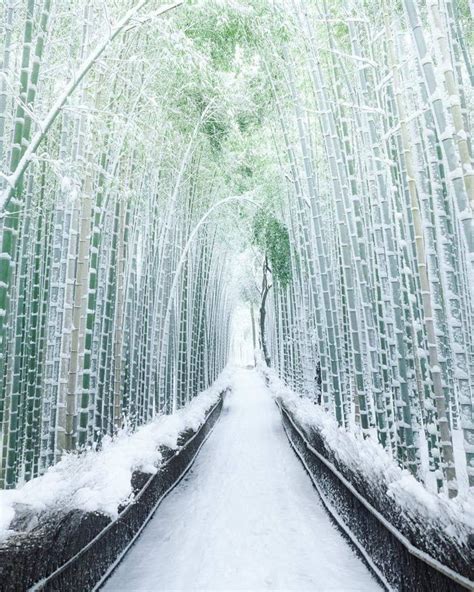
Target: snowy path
x=246 y=517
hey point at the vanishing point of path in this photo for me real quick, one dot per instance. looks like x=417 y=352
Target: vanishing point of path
x=246 y=517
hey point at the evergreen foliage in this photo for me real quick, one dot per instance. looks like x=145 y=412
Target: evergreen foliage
x=272 y=237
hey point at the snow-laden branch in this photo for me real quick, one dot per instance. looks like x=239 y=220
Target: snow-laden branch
x=67 y=92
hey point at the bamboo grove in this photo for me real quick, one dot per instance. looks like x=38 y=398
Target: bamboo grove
x=133 y=137
x=375 y=121
x=98 y=330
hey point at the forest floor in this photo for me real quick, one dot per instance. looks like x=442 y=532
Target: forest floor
x=246 y=517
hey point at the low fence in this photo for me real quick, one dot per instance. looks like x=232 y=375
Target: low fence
x=80 y=550
x=392 y=557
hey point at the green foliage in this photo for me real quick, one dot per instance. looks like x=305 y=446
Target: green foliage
x=216 y=129
x=462 y=7
x=464 y=17
x=218 y=29
x=271 y=235
x=217 y=33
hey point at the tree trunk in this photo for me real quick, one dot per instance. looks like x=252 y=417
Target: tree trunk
x=265 y=289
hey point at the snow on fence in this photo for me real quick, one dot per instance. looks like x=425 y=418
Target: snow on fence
x=101 y=480
x=411 y=538
x=78 y=530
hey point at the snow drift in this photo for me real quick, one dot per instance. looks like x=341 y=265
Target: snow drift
x=101 y=481
x=437 y=525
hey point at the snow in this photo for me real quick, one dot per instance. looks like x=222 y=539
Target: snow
x=246 y=516
x=460 y=460
x=101 y=480
x=367 y=457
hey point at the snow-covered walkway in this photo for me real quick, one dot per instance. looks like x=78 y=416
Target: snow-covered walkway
x=246 y=517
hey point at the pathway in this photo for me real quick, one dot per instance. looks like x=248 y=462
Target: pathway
x=246 y=517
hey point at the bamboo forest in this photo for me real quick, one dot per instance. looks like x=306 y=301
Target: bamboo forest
x=213 y=205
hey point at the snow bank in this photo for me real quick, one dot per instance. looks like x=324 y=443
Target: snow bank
x=367 y=458
x=102 y=480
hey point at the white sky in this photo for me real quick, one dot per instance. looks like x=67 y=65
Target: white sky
x=241 y=339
